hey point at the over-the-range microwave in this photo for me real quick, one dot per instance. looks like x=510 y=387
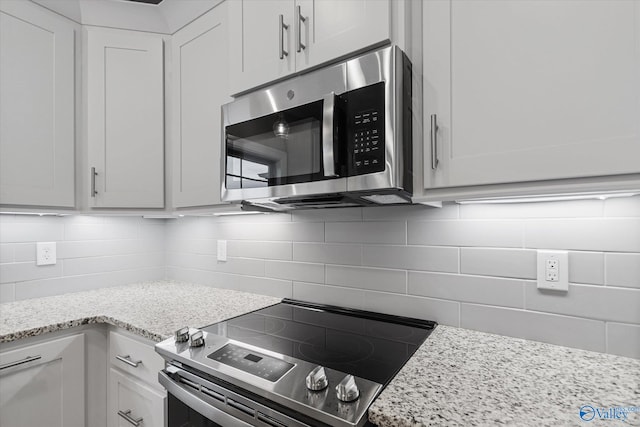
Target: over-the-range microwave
x=338 y=136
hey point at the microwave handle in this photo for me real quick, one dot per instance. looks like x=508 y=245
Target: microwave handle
x=327 y=135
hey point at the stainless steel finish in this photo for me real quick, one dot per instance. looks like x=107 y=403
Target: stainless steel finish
x=93 y=182
x=289 y=391
x=127 y=416
x=196 y=339
x=327 y=135
x=299 y=20
x=434 y=141
x=317 y=379
x=281 y=27
x=20 y=362
x=217 y=403
x=127 y=359
x=347 y=390
x=182 y=335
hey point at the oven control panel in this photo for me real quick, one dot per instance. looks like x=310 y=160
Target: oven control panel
x=365 y=129
x=252 y=362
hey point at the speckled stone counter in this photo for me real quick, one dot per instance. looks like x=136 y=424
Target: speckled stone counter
x=460 y=377
x=152 y=310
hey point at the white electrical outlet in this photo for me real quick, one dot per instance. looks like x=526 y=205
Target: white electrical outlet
x=553 y=270
x=45 y=253
x=222 y=250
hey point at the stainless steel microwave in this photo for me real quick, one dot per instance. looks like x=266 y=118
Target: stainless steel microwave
x=337 y=136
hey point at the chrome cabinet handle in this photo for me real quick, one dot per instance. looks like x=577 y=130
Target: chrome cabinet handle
x=300 y=46
x=93 y=182
x=20 y=362
x=434 y=142
x=127 y=359
x=327 y=136
x=127 y=416
x=281 y=27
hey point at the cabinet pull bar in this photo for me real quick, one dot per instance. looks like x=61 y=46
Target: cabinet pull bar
x=434 y=142
x=127 y=359
x=20 y=362
x=281 y=27
x=93 y=182
x=127 y=416
x=299 y=22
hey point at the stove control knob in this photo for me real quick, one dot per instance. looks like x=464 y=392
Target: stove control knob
x=347 y=390
x=317 y=379
x=196 y=339
x=182 y=334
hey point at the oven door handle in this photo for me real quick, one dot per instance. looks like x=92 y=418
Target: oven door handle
x=197 y=404
x=328 y=113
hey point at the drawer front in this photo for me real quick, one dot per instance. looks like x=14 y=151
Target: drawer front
x=125 y=353
x=133 y=403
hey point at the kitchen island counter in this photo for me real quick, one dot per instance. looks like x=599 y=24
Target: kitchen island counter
x=153 y=310
x=460 y=377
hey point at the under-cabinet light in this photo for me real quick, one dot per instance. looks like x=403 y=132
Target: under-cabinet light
x=553 y=198
x=35 y=213
x=239 y=213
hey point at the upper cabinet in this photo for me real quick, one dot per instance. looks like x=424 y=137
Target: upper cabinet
x=200 y=87
x=529 y=91
x=37 y=106
x=270 y=39
x=125 y=118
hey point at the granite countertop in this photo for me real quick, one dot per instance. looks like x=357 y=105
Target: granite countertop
x=460 y=377
x=152 y=310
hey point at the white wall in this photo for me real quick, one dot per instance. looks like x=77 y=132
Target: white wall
x=470 y=265
x=92 y=252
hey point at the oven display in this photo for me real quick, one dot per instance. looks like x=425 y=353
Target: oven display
x=254 y=363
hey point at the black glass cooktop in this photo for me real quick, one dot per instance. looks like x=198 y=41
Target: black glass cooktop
x=364 y=344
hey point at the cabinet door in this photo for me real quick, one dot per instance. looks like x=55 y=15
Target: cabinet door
x=200 y=89
x=43 y=384
x=256 y=39
x=333 y=28
x=531 y=90
x=37 y=70
x=125 y=125
x=133 y=400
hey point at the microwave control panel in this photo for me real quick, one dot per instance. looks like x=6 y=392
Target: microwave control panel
x=366 y=130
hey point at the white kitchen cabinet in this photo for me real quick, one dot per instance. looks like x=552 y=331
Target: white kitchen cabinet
x=530 y=91
x=125 y=118
x=43 y=384
x=270 y=39
x=200 y=87
x=131 y=402
x=37 y=106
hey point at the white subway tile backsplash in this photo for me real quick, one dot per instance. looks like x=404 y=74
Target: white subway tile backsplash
x=93 y=265
x=246 y=266
x=382 y=232
x=290 y=270
x=327 y=215
x=477 y=289
x=21 y=271
x=279 y=231
x=410 y=213
x=430 y=258
x=7 y=292
x=623 y=339
x=328 y=253
x=595 y=302
x=253 y=249
x=551 y=328
x=466 y=233
x=30 y=232
x=331 y=295
x=377 y=279
x=441 y=311
x=586 y=267
x=6 y=253
x=559 y=209
x=622 y=207
x=623 y=270
x=601 y=234
x=520 y=263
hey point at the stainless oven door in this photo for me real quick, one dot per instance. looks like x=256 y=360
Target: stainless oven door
x=196 y=402
x=284 y=140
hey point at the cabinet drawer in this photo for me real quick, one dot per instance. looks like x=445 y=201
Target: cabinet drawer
x=125 y=353
x=133 y=403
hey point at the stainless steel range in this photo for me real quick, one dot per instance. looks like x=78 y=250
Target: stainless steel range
x=290 y=364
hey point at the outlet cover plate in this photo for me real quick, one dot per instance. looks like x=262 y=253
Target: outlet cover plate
x=46 y=253
x=222 y=250
x=555 y=264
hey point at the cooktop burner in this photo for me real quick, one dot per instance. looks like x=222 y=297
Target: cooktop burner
x=363 y=344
